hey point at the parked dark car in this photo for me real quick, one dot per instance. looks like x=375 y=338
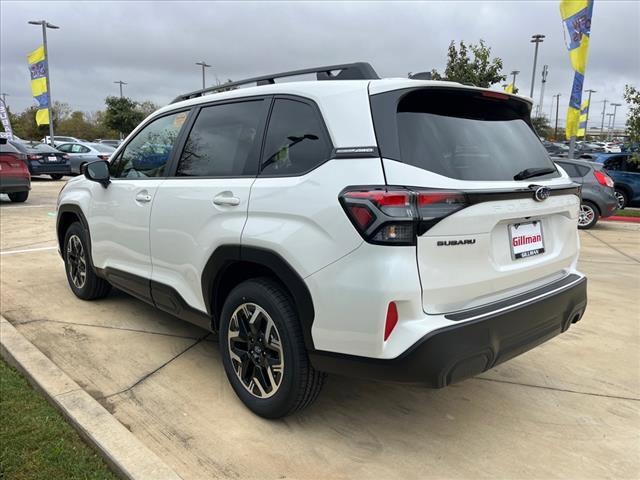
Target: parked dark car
x=598 y=194
x=43 y=159
x=15 y=179
x=625 y=172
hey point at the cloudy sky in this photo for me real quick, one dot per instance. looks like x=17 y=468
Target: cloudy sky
x=153 y=45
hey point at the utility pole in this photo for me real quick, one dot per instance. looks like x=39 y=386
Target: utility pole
x=613 y=120
x=604 y=107
x=46 y=25
x=537 y=39
x=586 y=121
x=204 y=65
x=515 y=74
x=121 y=83
x=555 y=132
x=545 y=72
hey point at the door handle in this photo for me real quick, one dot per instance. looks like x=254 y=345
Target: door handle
x=143 y=197
x=226 y=199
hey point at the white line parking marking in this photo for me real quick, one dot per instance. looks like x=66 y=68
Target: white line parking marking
x=26 y=250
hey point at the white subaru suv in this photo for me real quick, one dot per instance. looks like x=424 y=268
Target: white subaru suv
x=392 y=229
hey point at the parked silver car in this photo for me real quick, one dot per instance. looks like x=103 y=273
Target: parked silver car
x=598 y=194
x=82 y=153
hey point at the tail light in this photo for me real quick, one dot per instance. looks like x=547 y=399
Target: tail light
x=103 y=157
x=389 y=216
x=603 y=178
x=65 y=156
x=33 y=157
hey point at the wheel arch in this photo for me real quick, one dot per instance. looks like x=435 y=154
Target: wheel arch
x=67 y=215
x=229 y=265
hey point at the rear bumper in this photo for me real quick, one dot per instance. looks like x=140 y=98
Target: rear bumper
x=37 y=168
x=14 y=184
x=456 y=352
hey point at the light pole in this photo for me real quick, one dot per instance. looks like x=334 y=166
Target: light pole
x=537 y=39
x=46 y=25
x=545 y=72
x=515 y=74
x=204 y=65
x=613 y=120
x=121 y=83
x=586 y=120
x=555 y=132
x=604 y=107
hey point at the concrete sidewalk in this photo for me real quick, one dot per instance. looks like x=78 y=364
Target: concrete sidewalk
x=570 y=408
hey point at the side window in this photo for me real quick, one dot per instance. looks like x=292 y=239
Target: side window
x=75 y=148
x=614 y=163
x=631 y=165
x=582 y=171
x=224 y=141
x=84 y=149
x=66 y=148
x=147 y=154
x=296 y=140
x=571 y=170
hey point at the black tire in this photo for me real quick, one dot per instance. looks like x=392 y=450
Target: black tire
x=622 y=197
x=93 y=287
x=19 y=197
x=299 y=383
x=589 y=215
x=56 y=176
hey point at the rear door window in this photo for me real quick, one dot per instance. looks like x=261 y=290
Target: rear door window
x=296 y=141
x=224 y=141
x=462 y=134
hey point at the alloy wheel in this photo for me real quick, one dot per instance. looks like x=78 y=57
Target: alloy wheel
x=620 y=199
x=586 y=215
x=76 y=262
x=255 y=348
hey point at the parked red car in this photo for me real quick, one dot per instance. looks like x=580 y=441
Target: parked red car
x=15 y=179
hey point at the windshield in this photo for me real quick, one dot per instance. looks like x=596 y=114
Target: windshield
x=468 y=135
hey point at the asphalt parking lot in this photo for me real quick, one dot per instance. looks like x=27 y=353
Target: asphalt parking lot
x=570 y=408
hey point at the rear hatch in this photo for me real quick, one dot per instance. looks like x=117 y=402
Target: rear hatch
x=496 y=217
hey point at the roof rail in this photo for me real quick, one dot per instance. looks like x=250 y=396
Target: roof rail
x=348 y=71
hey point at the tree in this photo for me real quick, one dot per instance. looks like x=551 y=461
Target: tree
x=632 y=97
x=147 y=107
x=122 y=114
x=541 y=126
x=481 y=70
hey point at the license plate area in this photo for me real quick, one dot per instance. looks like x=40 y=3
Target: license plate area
x=52 y=158
x=526 y=239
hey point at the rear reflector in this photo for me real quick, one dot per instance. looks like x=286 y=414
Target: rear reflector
x=391 y=320
x=603 y=178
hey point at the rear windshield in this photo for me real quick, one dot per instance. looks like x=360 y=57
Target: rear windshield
x=463 y=134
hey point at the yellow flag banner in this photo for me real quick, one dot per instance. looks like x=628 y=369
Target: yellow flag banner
x=39 y=71
x=576 y=15
x=509 y=88
x=584 y=113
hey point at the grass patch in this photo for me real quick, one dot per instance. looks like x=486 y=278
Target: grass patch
x=628 y=212
x=35 y=441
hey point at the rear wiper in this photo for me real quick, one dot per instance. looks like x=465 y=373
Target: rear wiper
x=533 y=172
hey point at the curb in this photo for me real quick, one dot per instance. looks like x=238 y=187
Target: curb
x=120 y=449
x=620 y=218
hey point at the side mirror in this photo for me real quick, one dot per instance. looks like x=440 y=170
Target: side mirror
x=98 y=172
